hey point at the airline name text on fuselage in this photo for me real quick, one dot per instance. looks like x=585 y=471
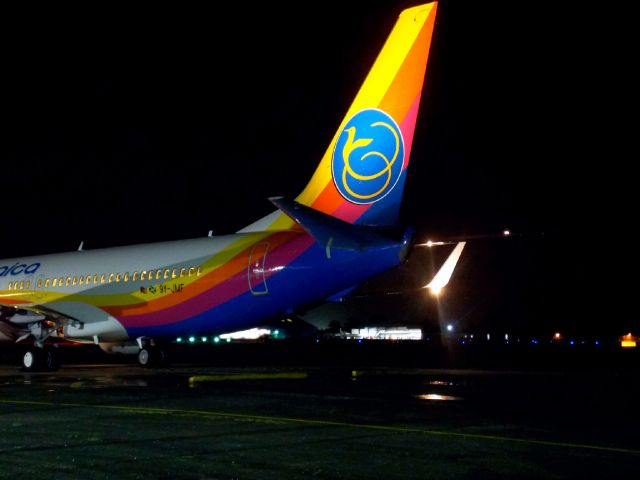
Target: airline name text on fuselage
x=19 y=268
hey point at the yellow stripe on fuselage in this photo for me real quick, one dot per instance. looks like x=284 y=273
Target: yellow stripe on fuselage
x=134 y=297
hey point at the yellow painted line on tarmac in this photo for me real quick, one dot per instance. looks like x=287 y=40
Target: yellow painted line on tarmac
x=247 y=376
x=397 y=429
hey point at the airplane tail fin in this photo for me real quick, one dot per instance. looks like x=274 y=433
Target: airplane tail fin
x=361 y=176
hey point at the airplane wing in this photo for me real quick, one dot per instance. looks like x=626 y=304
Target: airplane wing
x=20 y=321
x=442 y=277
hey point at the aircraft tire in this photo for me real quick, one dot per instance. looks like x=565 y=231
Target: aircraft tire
x=150 y=357
x=36 y=359
x=31 y=359
x=50 y=360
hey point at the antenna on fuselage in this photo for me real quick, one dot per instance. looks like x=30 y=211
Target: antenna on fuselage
x=81 y=245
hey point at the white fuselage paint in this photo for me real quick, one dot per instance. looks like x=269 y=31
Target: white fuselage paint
x=94 y=321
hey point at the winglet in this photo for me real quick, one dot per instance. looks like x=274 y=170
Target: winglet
x=441 y=279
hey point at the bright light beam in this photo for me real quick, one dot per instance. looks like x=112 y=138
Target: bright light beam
x=430 y=243
x=441 y=279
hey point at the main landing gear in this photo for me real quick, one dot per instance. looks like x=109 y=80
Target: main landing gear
x=152 y=357
x=150 y=354
x=40 y=359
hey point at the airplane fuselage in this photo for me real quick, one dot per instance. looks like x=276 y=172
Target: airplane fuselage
x=317 y=246
x=191 y=287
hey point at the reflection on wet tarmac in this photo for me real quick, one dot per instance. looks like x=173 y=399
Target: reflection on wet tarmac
x=437 y=397
x=270 y=422
x=107 y=382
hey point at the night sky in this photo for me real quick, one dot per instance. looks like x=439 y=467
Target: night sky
x=125 y=126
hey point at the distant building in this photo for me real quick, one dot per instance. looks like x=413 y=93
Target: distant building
x=385 y=333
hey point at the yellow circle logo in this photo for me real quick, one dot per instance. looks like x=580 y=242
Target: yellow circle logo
x=368 y=157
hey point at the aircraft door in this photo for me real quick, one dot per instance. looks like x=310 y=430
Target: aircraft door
x=255 y=273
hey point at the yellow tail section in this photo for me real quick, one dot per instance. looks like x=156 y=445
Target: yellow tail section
x=361 y=176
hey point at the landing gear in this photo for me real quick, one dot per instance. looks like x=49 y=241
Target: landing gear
x=152 y=357
x=150 y=354
x=36 y=359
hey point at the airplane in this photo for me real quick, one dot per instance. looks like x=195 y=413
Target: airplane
x=317 y=247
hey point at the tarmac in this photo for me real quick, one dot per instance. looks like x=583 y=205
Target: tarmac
x=198 y=421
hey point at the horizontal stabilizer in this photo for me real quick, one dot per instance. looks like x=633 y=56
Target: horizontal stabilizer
x=329 y=231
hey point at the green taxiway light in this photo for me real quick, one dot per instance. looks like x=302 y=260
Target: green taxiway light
x=179 y=339
x=192 y=339
x=228 y=340
x=204 y=339
x=216 y=339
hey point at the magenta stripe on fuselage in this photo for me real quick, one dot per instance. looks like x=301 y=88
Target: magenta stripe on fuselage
x=223 y=292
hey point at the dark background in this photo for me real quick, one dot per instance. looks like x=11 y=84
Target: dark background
x=127 y=125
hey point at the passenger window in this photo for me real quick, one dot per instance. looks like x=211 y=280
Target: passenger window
x=143 y=275
x=68 y=282
x=74 y=281
x=118 y=277
x=27 y=284
x=21 y=284
x=158 y=274
x=183 y=272
x=110 y=277
x=192 y=271
x=199 y=271
x=126 y=276
x=88 y=280
x=135 y=276
x=39 y=283
x=55 y=282
x=166 y=274
x=174 y=273
x=103 y=278
x=46 y=283
x=80 y=280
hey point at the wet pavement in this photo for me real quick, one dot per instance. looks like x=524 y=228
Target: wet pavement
x=195 y=421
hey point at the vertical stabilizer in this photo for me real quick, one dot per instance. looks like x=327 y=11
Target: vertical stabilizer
x=361 y=176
